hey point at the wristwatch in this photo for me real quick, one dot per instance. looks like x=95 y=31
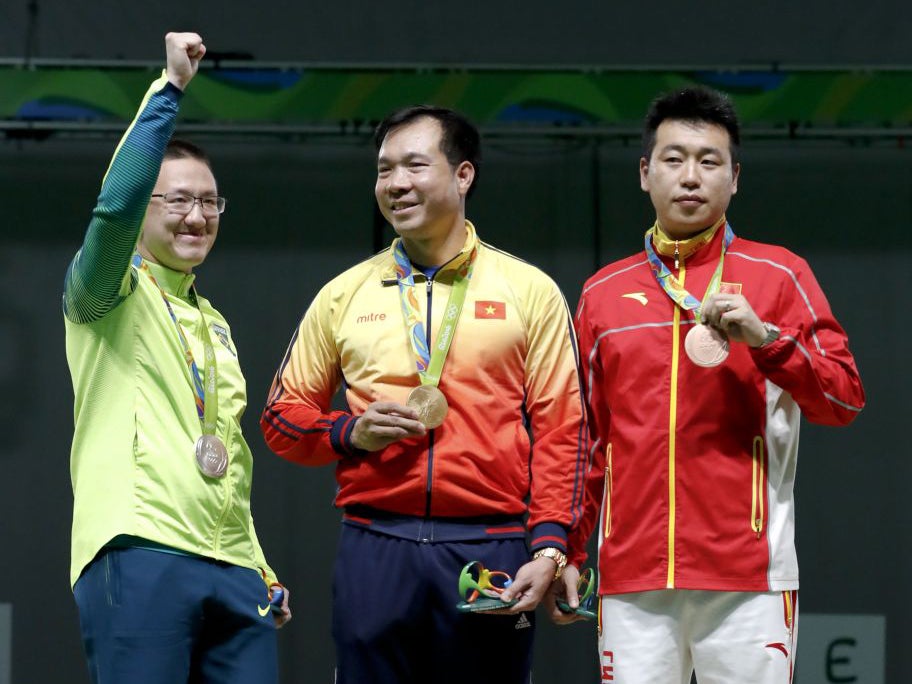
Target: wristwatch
x=772 y=333
x=554 y=554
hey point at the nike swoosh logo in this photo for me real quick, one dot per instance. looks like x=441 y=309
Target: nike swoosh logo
x=263 y=611
x=639 y=296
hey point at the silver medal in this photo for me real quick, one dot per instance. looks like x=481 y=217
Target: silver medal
x=211 y=456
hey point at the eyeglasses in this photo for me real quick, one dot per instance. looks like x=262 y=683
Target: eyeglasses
x=180 y=204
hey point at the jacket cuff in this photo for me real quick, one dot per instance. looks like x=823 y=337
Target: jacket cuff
x=548 y=534
x=774 y=353
x=577 y=558
x=340 y=436
x=162 y=86
x=171 y=91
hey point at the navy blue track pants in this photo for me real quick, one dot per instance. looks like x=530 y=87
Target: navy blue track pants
x=395 y=619
x=150 y=617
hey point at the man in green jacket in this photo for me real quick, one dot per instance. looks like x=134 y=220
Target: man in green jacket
x=167 y=571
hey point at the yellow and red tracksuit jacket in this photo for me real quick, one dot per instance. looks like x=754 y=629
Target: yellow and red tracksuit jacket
x=515 y=429
x=693 y=468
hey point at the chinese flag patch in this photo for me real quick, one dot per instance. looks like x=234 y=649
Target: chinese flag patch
x=491 y=310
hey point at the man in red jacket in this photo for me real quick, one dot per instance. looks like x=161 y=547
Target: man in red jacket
x=699 y=356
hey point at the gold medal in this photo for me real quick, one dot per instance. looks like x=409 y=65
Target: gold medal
x=706 y=346
x=430 y=404
x=211 y=456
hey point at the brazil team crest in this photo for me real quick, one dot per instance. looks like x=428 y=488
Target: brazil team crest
x=222 y=334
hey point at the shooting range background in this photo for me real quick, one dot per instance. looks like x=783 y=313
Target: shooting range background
x=301 y=210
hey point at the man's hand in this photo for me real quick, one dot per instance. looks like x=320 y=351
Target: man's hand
x=530 y=584
x=183 y=52
x=564 y=588
x=383 y=423
x=282 y=618
x=733 y=315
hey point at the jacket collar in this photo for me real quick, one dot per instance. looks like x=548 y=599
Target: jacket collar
x=173 y=282
x=388 y=274
x=695 y=249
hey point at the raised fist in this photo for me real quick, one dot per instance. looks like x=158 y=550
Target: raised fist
x=183 y=52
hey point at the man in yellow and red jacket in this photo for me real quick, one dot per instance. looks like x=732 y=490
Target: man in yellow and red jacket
x=700 y=354
x=428 y=487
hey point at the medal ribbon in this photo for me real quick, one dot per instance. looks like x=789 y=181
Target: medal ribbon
x=430 y=363
x=672 y=286
x=206 y=410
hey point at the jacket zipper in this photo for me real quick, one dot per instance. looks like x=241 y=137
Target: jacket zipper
x=427 y=332
x=790 y=601
x=226 y=487
x=430 y=465
x=758 y=486
x=606 y=496
x=672 y=429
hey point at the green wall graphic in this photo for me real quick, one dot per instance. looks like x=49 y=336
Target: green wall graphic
x=348 y=98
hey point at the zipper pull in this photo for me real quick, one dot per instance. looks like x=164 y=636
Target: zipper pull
x=677 y=255
x=430 y=284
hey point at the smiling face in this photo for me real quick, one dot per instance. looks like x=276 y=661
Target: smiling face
x=179 y=242
x=418 y=191
x=689 y=176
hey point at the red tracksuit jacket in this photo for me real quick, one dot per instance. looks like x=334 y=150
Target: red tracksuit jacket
x=693 y=468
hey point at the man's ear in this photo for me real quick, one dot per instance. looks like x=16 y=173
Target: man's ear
x=465 y=176
x=644 y=174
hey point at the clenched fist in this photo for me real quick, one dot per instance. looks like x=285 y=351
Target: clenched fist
x=183 y=52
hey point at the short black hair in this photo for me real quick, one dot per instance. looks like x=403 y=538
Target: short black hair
x=698 y=104
x=460 y=140
x=184 y=149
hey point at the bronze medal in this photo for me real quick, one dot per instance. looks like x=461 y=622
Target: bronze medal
x=211 y=456
x=706 y=346
x=430 y=404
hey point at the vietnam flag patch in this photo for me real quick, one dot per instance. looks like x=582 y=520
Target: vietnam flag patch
x=487 y=309
x=729 y=288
